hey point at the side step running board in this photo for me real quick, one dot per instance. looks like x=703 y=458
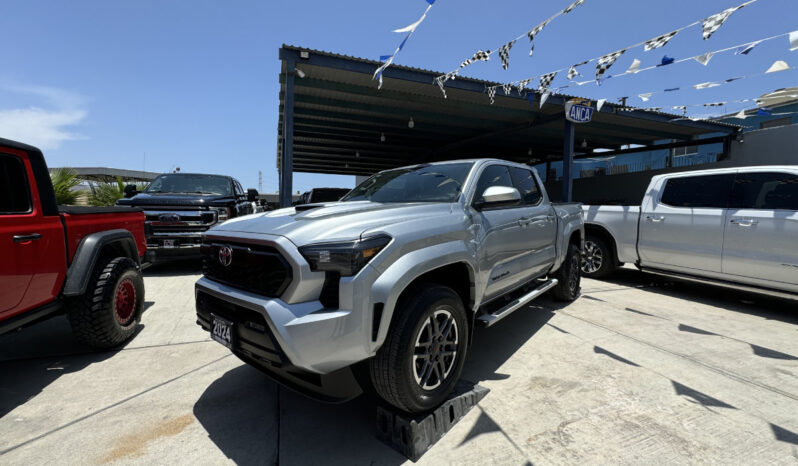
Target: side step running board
x=486 y=320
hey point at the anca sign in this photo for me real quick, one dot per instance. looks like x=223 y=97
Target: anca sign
x=578 y=111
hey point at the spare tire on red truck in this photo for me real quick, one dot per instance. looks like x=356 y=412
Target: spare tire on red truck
x=81 y=261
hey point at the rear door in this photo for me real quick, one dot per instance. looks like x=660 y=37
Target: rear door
x=32 y=249
x=762 y=228
x=538 y=225
x=681 y=224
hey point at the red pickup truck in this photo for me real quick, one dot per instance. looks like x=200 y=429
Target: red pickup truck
x=82 y=261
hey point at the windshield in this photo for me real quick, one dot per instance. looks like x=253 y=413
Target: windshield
x=193 y=184
x=423 y=183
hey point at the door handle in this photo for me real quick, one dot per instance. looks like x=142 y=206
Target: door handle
x=26 y=238
x=658 y=218
x=744 y=222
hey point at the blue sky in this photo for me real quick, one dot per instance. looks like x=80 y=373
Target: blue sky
x=194 y=84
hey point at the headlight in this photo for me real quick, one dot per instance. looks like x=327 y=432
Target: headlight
x=222 y=213
x=345 y=258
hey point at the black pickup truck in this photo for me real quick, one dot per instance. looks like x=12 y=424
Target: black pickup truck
x=179 y=207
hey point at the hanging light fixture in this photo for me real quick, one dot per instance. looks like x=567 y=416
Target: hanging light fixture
x=411 y=124
x=529 y=152
x=584 y=143
x=357 y=154
x=382 y=137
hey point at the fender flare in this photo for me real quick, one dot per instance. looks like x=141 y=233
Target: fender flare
x=88 y=253
x=398 y=276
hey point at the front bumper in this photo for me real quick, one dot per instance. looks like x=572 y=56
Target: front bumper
x=304 y=346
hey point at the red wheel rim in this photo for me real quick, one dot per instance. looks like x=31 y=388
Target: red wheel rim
x=125 y=301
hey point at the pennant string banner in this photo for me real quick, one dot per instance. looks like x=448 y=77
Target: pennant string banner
x=504 y=50
x=607 y=60
x=387 y=60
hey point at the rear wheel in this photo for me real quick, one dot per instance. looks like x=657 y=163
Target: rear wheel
x=568 y=276
x=597 y=261
x=423 y=355
x=109 y=312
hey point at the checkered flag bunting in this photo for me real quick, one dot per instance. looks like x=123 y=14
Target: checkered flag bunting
x=572 y=73
x=491 y=94
x=715 y=104
x=479 y=56
x=507 y=88
x=572 y=6
x=522 y=85
x=712 y=23
x=532 y=33
x=683 y=108
x=604 y=63
x=439 y=81
x=660 y=41
x=545 y=81
x=504 y=53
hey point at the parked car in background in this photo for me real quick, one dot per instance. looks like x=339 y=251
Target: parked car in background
x=734 y=227
x=317 y=195
x=179 y=207
x=396 y=275
x=82 y=261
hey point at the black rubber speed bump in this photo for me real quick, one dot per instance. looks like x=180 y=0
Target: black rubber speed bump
x=412 y=436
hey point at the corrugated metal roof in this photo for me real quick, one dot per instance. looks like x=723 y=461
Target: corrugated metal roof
x=340 y=118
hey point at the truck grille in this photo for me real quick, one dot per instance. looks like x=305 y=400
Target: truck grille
x=250 y=267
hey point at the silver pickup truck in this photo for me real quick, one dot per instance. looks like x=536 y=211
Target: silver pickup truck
x=734 y=227
x=389 y=282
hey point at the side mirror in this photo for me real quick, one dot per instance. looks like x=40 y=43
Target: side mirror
x=130 y=190
x=499 y=196
x=252 y=195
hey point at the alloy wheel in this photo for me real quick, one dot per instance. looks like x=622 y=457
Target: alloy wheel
x=593 y=258
x=435 y=350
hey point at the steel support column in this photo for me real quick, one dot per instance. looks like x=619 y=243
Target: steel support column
x=287 y=155
x=568 y=162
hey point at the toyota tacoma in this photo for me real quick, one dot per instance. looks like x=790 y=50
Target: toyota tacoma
x=390 y=281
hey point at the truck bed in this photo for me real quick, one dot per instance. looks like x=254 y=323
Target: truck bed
x=80 y=221
x=621 y=222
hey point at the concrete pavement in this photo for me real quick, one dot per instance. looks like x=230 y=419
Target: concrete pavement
x=638 y=370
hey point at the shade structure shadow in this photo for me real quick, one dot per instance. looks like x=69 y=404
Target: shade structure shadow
x=610 y=354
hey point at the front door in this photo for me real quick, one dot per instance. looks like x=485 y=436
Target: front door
x=501 y=239
x=762 y=228
x=681 y=229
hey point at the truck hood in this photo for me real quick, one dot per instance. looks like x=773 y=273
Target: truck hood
x=177 y=199
x=339 y=221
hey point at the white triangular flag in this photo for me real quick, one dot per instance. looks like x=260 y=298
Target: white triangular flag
x=634 y=67
x=599 y=104
x=704 y=59
x=706 y=85
x=778 y=65
x=741 y=115
x=413 y=26
x=645 y=97
x=543 y=98
x=793 y=40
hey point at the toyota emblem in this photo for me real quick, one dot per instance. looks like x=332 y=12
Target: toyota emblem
x=225 y=255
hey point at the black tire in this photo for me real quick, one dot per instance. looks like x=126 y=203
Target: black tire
x=394 y=369
x=568 y=276
x=598 y=260
x=109 y=312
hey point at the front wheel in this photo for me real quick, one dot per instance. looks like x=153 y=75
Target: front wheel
x=109 y=311
x=423 y=355
x=568 y=276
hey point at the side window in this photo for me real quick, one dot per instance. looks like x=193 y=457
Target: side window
x=711 y=191
x=14 y=190
x=239 y=190
x=493 y=175
x=524 y=181
x=768 y=191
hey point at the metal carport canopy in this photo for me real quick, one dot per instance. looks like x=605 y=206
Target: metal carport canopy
x=336 y=118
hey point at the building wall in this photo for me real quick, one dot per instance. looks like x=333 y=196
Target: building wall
x=774 y=146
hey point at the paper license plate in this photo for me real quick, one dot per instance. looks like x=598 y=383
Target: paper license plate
x=168 y=243
x=222 y=331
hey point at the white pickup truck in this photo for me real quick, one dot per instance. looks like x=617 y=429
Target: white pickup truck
x=734 y=227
